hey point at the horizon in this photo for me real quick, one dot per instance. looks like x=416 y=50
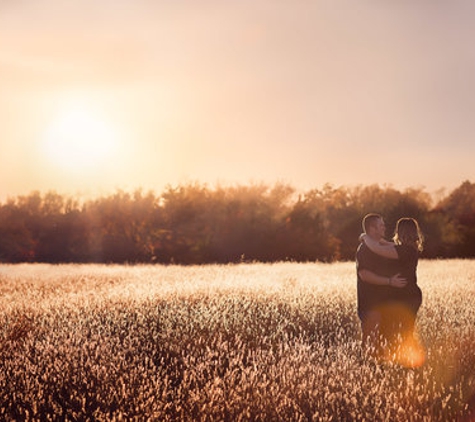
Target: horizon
x=435 y=195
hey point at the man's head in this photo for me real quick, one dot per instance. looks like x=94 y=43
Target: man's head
x=373 y=225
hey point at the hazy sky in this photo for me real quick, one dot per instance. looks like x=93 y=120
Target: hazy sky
x=97 y=95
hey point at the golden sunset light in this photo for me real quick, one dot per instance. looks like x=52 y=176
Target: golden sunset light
x=77 y=139
x=231 y=210
x=235 y=93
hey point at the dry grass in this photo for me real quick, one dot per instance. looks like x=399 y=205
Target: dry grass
x=239 y=342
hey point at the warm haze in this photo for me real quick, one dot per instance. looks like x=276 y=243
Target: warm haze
x=99 y=95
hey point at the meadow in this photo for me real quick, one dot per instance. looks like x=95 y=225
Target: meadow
x=244 y=342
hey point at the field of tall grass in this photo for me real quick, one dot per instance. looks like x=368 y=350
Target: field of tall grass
x=264 y=342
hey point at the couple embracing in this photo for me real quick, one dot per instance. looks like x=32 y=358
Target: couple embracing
x=388 y=294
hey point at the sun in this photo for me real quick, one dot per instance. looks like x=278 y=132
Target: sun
x=79 y=138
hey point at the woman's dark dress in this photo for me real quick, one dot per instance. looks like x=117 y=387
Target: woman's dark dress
x=400 y=308
x=411 y=294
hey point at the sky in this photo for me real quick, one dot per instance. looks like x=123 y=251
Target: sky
x=100 y=95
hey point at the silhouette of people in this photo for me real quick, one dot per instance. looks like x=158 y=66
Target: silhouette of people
x=374 y=279
x=399 y=309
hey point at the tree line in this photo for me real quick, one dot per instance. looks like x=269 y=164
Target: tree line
x=195 y=224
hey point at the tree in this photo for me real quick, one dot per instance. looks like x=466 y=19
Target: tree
x=460 y=206
x=194 y=224
x=16 y=241
x=121 y=227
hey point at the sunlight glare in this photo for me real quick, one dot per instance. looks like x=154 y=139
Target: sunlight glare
x=79 y=138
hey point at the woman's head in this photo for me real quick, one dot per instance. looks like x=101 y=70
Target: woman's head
x=408 y=232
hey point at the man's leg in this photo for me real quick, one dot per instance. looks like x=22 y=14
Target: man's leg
x=371 y=328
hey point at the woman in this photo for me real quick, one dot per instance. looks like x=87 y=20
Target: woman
x=403 y=304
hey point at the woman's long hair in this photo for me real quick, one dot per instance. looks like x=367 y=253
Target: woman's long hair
x=408 y=232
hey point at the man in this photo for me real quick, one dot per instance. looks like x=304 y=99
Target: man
x=376 y=279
